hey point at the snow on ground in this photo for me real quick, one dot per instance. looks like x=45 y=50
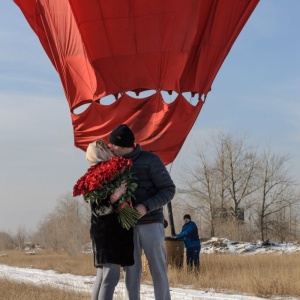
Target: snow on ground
x=84 y=283
x=221 y=245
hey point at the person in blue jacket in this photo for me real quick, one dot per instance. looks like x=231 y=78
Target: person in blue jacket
x=190 y=235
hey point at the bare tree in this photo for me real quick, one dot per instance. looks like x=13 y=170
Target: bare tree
x=238 y=170
x=49 y=233
x=67 y=227
x=219 y=152
x=275 y=195
x=201 y=188
x=6 y=241
x=294 y=217
x=20 y=237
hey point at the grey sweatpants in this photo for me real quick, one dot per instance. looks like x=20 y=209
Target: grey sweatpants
x=150 y=238
x=106 y=280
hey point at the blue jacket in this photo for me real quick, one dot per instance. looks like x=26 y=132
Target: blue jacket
x=190 y=235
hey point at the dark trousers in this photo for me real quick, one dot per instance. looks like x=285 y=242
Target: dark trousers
x=192 y=257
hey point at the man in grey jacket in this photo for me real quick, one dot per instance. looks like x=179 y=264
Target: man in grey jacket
x=155 y=189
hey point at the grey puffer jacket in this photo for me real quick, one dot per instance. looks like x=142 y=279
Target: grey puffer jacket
x=155 y=186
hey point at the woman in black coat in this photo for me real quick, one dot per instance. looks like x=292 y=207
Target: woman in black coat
x=112 y=244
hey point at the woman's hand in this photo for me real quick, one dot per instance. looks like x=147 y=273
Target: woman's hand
x=118 y=192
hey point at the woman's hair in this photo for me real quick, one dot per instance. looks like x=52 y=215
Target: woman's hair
x=97 y=152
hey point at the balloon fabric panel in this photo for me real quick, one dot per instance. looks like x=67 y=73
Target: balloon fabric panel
x=163 y=125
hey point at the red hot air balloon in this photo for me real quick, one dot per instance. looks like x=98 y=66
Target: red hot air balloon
x=102 y=48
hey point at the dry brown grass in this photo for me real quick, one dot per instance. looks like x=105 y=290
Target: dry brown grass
x=260 y=275
x=11 y=290
x=81 y=264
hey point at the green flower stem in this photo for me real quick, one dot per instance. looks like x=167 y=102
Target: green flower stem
x=128 y=217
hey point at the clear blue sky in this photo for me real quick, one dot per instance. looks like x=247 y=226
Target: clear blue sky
x=257 y=91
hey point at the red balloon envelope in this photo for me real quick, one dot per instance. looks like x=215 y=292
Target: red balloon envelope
x=101 y=48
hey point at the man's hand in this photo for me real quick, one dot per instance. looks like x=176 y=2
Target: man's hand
x=141 y=208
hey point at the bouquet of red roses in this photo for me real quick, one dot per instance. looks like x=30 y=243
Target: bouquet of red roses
x=100 y=181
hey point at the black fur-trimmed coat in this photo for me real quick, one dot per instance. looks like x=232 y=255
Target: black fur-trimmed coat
x=111 y=243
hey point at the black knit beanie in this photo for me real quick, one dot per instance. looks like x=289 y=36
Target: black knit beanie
x=187 y=217
x=122 y=136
